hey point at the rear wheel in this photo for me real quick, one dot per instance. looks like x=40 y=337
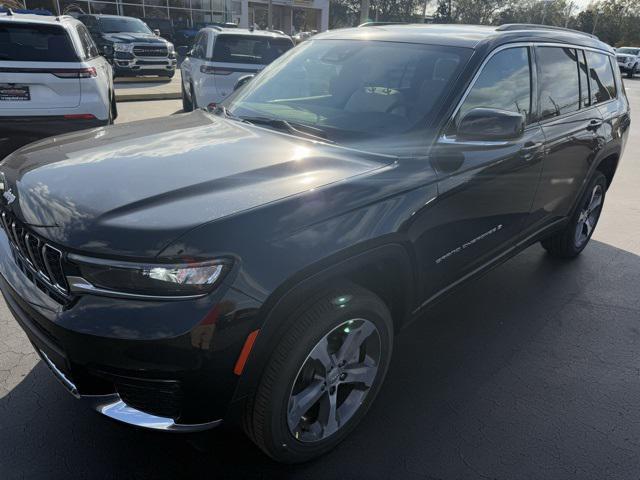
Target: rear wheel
x=194 y=100
x=187 y=104
x=632 y=72
x=322 y=376
x=573 y=238
x=113 y=113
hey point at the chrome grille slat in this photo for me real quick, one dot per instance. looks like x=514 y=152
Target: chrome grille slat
x=30 y=257
x=41 y=261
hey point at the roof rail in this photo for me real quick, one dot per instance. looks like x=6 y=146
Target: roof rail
x=508 y=27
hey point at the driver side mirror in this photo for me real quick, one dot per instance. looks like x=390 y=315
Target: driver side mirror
x=156 y=32
x=242 y=81
x=490 y=125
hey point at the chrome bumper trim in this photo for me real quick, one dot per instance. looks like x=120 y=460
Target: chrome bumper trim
x=113 y=407
x=68 y=384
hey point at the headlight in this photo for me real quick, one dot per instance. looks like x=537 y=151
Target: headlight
x=170 y=48
x=123 y=47
x=150 y=280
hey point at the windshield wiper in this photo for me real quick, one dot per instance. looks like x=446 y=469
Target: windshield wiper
x=294 y=128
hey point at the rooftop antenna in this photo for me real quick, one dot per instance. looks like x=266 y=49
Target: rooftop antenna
x=9 y=12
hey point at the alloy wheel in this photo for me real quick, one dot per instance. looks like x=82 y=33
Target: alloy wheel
x=334 y=380
x=589 y=216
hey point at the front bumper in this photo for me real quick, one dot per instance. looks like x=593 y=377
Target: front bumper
x=170 y=368
x=114 y=407
x=134 y=66
x=625 y=67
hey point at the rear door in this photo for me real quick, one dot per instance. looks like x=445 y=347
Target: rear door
x=235 y=56
x=572 y=126
x=38 y=69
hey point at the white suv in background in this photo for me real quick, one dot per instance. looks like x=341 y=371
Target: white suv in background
x=52 y=79
x=220 y=57
x=628 y=60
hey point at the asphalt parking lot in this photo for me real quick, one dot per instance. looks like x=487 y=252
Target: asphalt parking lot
x=531 y=372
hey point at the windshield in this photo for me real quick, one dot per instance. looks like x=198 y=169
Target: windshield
x=629 y=51
x=353 y=89
x=248 y=49
x=123 y=25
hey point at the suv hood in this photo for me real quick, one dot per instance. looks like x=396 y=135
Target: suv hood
x=133 y=37
x=132 y=189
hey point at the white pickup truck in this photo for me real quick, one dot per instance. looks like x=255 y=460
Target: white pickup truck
x=628 y=60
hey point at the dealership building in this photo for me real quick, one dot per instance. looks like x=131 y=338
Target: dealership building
x=290 y=16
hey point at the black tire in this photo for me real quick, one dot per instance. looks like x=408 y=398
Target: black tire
x=566 y=243
x=113 y=112
x=266 y=414
x=187 y=104
x=170 y=74
x=194 y=100
x=631 y=72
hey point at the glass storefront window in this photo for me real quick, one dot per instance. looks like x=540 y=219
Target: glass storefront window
x=201 y=17
x=179 y=3
x=104 y=7
x=179 y=16
x=201 y=4
x=48 y=5
x=155 y=12
x=158 y=3
x=70 y=6
x=132 y=11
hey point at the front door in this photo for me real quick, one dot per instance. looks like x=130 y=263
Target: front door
x=485 y=189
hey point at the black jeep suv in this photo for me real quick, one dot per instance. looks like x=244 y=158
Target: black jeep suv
x=130 y=46
x=255 y=263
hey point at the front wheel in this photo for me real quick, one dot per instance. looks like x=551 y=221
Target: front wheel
x=322 y=376
x=573 y=238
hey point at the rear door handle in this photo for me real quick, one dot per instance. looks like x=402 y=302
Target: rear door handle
x=594 y=124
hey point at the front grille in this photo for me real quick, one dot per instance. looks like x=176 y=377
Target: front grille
x=162 y=398
x=40 y=261
x=145 y=51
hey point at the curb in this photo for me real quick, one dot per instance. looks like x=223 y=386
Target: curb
x=134 y=97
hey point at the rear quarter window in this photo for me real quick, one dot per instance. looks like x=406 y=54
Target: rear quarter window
x=603 y=84
x=251 y=50
x=36 y=43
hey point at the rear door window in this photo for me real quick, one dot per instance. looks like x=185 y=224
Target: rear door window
x=200 y=46
x=603 y=84
x=247 y=49
x=558 y=81
x=36 y=43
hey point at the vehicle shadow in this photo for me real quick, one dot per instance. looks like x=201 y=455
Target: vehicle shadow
x=528 y=372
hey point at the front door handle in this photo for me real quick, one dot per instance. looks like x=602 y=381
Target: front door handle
x=594 y=124
x=530 y=149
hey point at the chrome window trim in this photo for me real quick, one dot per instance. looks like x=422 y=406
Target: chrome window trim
x=442 y=137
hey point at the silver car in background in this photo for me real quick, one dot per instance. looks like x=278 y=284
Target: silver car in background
x=220 y=57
